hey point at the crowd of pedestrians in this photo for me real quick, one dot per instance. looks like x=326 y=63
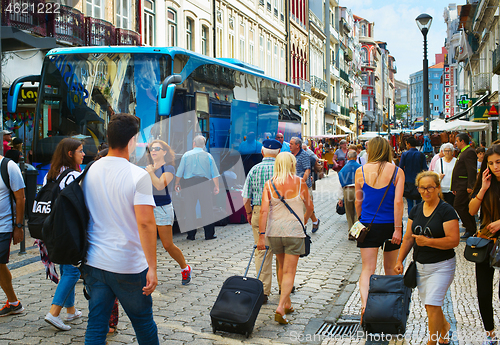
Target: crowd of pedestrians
x=129 y=206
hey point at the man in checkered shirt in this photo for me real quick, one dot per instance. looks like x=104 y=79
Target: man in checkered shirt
x=252 y=198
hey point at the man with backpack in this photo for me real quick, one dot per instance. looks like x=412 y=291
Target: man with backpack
x=121 y=256
x=11 y=228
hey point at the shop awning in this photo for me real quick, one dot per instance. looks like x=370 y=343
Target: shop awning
x=345 y=129
x=327 y=136
x=465 y=112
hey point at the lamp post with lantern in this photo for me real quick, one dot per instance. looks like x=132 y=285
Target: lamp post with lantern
x=424 y=23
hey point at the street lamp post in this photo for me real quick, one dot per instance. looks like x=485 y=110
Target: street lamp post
x=424 y=23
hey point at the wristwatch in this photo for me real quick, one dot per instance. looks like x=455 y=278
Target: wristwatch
x=19 y=225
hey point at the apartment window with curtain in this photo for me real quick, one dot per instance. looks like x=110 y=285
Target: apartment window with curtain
x=123 y=14
x=204 y=40
x=95 y=9
x=172 y=27
x=189 y=34
x=251 y=48
x=149 y=22
x=275 y=8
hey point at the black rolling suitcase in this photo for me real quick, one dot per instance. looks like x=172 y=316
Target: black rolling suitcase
x=387 y=306
x=238 y=303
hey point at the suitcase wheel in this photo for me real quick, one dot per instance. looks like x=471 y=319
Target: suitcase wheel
x=213 y=329
x=247 y=334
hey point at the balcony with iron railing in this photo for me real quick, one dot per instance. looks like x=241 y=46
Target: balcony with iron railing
x=344 y=75
x=369 y=64
x=305 y=85
x=99 y=32
x=126 y=37
x=482 y=83
x=319 y=84
x=68 y=26
x=32 y=21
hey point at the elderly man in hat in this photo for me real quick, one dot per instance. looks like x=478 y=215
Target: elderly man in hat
x=7 y=137
x=252 y=198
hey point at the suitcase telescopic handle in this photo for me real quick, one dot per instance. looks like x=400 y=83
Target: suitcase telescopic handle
x=250 y=261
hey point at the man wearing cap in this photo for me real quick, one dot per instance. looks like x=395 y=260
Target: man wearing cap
x=285 y=147
x=7 y=137
x=16 y=150
x=252 y=198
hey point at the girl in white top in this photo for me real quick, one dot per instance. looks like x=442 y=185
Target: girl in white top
x=444 y=167
x=286 y=236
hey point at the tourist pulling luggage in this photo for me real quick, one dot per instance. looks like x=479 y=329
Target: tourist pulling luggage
x=238 y=303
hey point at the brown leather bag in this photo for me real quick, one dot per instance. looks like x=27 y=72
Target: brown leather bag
x=444 y=137
x=435 y=139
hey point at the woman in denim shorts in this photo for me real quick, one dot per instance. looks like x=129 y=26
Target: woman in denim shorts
x=162 y=173
x=285 y=233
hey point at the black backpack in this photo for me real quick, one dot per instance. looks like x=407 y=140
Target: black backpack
x=65 y=229
x=42 y=205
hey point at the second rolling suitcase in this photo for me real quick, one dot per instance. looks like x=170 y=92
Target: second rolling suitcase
x=238 y=303
x=387 y=306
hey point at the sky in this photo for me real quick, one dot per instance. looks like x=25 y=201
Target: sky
x=395 y=24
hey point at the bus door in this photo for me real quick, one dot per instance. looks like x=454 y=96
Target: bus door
x=203 y=115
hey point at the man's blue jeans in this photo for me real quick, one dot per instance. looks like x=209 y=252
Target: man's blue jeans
x=102 y=287
x=412 y=203
x=65 y=292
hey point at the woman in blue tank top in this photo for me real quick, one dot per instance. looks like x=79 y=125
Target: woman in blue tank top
x=162 y=173
x=371 y=182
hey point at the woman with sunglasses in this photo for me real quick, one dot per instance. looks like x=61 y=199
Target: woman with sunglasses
x=486 y=191
x=67 y=155
x=432 y=231
x=162 y=173
x=444 y=168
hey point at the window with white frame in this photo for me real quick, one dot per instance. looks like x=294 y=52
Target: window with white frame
x=282 y=64
x=95 y=9
x=269 y=58
x=262 y=62
x=275 y=8
x=189 y=34
x=149 y=22
x=204 y=40
x=220 y=42
x=172 y=27
x=276 y=70
x=251 y=47
x=123 y=14
x=242 y=42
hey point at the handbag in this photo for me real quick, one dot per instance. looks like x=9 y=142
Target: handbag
x=340 y=209
x=478 y=249
x=410 y=278
x=411 y=191
x=307 y=239
x=495 y=255
x=358 y=230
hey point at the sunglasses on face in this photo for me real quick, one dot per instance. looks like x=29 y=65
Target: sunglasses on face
x=156 y=148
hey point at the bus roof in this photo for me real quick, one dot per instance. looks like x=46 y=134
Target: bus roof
x=172 y=51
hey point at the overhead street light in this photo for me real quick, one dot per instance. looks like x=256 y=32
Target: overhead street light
x=424 y=22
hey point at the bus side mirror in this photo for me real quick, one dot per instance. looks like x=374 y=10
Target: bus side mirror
x=14 y=91
x=166 y=94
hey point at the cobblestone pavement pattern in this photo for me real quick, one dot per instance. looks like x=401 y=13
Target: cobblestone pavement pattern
x=326 y=288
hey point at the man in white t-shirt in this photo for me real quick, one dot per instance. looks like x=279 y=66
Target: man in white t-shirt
x=10 y=231
x=121 y=257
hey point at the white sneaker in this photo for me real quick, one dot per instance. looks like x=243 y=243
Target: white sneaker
x=56 y=322
x=76 y=315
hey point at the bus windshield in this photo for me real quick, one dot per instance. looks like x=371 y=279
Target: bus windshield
x=80 y=92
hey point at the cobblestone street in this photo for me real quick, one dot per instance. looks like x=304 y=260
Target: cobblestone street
x=326 y=290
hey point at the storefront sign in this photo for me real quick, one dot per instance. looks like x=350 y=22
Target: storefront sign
x=28 y=95
x=449 y=91
x=463 y=102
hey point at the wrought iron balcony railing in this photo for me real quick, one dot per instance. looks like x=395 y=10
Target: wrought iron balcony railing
x=319 y=83
x=496 y=60
x=99 y=32
x=482 y=82
x=126 y=37
x=32 y=21
x=68 y=26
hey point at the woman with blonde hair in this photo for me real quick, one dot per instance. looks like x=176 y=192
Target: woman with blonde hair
x=432 y=231
x=385 y=214
x=284 y=231
x=162 y=173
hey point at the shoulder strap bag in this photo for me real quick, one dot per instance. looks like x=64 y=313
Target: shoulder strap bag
x=307 y=239
x=410 y=278
x=6 y=179
x=358 y=230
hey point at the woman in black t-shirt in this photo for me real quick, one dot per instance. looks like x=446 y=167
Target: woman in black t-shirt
x=433 y=232
x=486 y=191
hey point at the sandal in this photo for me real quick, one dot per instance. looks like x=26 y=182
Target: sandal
x=112 y=330
x=446 y=339
x=281 y=319
x=289 y=310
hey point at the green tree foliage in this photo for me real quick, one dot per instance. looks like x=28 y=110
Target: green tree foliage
x=401 y=110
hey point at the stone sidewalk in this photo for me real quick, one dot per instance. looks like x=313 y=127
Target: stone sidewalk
x=182 y=313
